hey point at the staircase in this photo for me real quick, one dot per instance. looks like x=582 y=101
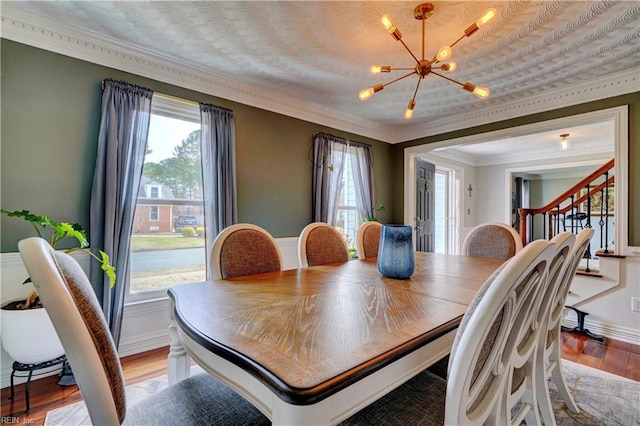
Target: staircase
x=587 y=204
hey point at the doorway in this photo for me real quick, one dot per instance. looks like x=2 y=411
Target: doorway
x=447 y=210
x=491 y=199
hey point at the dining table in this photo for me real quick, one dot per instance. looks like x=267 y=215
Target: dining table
x=312 y=346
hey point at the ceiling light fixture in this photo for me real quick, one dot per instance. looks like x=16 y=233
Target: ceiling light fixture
x=564 y=141
x=423 y=66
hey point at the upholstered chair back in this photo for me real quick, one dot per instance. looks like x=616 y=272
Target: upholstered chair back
x=321 y=244
x=368 y=238
x=244 y=249
x=493 y=240
x=74 y=309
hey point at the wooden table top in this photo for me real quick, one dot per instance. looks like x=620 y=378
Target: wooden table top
x=307 y=333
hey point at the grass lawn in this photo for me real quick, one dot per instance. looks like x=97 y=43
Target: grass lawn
x=164 y=242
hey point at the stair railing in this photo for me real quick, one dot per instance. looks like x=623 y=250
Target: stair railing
x=565 y=207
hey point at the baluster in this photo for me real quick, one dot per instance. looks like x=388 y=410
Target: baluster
x=605 y=205
x=573 y=214
x=533 y=219
x=588 y=225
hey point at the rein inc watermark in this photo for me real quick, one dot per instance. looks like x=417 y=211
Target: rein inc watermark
x=16 y=420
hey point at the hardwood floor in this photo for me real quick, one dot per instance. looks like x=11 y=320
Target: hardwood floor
x=613 y=356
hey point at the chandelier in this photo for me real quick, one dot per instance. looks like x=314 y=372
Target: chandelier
x=423 y=66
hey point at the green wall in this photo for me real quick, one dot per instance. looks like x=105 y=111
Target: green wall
x=632 y=100
x=50 y=120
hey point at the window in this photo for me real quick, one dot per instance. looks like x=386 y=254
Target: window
x=153 y=213
x=348 y=217
x=167 y=245
x=446 y=208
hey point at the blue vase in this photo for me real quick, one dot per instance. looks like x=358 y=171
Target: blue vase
x=396 y=253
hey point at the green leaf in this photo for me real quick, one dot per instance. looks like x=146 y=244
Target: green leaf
x=60 y=231
x=108 y=268
x=64 y=230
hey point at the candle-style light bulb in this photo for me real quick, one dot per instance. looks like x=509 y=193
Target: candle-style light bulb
x=409 y=111
x=444 y=53
x=367 y=93
x=488 y=15
x=451 y=66
x=481 y=92
x=388 y=24
x=377 y=69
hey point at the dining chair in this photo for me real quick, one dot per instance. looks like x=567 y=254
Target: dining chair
x=70 y=301
x=321 y=244
x=480 y=370
x=368 y=239
x=548 y=359
x=244 y=249
x=522 y=390
x=493 y=240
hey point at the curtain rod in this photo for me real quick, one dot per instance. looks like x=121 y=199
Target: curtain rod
x=348 y=141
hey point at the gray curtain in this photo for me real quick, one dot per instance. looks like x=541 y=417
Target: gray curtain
x=218 y=139
x=362 y=167
x=122 y=142
x=329 y=155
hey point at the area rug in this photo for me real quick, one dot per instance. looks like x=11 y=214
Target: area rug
x=603 y=398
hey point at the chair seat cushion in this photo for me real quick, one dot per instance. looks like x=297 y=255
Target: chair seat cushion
x=420 y=401
x=197 y=400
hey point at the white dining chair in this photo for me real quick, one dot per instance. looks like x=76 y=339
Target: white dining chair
x=70 y=301
x=548 y=359
x=244 y=249
x=321 y=244
x=477 y=390
x=493 y=240
x=368 y=239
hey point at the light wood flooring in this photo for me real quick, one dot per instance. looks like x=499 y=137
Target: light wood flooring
x=613 y=356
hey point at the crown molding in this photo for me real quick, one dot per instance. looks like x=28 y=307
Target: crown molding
x=598 y=149
x=611 y=85
x=26 y=28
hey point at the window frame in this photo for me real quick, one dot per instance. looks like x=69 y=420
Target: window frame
x=155 y=209
x=347 y=176
x=180 y=109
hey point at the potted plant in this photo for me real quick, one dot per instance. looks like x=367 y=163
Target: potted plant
x=27 y=332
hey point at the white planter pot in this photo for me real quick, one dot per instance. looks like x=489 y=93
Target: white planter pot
x=28 y=336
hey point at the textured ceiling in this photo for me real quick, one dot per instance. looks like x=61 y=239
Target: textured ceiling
x=321 y=52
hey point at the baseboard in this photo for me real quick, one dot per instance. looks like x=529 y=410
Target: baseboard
x=610 y=331
x=151 y=341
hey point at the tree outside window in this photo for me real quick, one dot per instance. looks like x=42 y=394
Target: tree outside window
x=169 y=217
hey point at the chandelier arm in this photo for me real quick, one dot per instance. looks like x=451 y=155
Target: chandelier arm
x=456 y=42
x=424 y=21
x=402 y=69
x=447 y=78
x=399 y=78
x=409 y=50
x=435 y=57
x=415 y=93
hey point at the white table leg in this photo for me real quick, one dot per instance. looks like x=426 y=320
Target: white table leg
x=178 y=362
